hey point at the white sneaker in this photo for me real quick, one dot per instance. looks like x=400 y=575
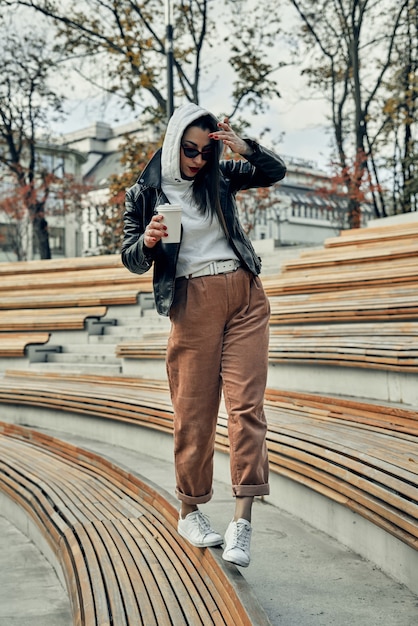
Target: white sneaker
x=237 y=543
x=195 y=527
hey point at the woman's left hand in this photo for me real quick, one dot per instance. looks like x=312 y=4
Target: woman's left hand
x=231 y=139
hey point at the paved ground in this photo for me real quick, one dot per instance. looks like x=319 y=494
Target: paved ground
x=300 y=576
x=30 y=593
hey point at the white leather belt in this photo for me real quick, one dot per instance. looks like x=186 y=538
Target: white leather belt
x=217 y=267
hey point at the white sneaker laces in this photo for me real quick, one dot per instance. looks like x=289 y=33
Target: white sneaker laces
x=202 y=521
x=241 y=536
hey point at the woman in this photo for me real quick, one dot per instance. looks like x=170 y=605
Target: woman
x=209 y=286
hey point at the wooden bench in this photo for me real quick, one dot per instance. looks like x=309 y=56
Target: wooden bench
x=75 y=282
x=383 y=303
x=67 y=277
x=37 y=267
x=357 y=259
x=15 y=344
x=363 y=455
x=352 y=257
x=61 y=294
x=116 y=540
x=397 y=272
x=360 y=454
x=150 y=346
x=381 y=233
x=48 y=319
x=384 y=239
x=368 y=245
x=27 y=333
x=106 y=294
x=351 y=345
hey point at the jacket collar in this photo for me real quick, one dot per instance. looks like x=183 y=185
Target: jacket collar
x=151 y=174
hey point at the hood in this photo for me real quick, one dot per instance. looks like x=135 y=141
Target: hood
x=170 y=157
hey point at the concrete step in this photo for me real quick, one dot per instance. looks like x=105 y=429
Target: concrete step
x=123 y=330
x=84 y=368
x=90 y=348
x=23 y=566
x=83 y=357
x=111 y=340
x=126 y=335
x=151 y=368
x=141 y=322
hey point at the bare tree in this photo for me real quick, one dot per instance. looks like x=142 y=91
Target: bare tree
x=400 y=107
x=350 y=45
x=25 y=102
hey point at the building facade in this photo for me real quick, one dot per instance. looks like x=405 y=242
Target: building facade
x=303 y=212
x=296 y=212
x=64 y=163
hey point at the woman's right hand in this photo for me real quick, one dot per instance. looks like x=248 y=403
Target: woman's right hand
x=154 y=231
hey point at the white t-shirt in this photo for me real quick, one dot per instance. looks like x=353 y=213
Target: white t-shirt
x=203 y=240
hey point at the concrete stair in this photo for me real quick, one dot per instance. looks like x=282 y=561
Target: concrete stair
x=95 y=353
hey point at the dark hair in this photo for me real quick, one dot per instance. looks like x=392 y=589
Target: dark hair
x=205 y=188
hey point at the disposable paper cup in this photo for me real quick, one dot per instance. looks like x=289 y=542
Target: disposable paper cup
x=172 y=219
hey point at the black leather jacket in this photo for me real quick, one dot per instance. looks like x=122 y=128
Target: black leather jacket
x=262 y=169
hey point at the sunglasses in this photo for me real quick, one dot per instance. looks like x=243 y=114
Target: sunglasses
x=192 y=153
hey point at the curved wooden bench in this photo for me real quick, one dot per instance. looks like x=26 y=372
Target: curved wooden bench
x=367 y=245
x=360 y=259
x=105 y=294
x=357 y=305
x=396 y=272
x=49 y=319
x=381 y=233
x=352 y=256
x=72 y=282
x=67 y=277
x=116 y=539
x=150 y=346
x=57 y=265
x=349 y=345
x=21 y=334
x=361 y=454
x=15 y=344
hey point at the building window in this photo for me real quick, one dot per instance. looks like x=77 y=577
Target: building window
x=56 y=241
x=7 y=237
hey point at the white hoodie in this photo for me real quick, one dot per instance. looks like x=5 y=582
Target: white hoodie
x=203 y=239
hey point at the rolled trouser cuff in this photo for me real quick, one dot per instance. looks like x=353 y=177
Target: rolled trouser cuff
x=193 y=499
x=243 y=491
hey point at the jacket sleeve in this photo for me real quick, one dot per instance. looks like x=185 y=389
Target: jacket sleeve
x=138 y=210
x=262 y=168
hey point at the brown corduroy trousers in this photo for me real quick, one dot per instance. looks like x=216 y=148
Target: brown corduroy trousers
x=219 y=342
